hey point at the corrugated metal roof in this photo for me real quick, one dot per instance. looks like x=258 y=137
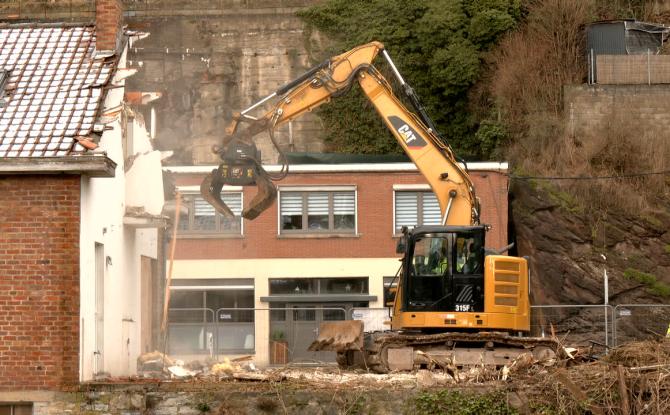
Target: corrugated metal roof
x=625 y=37
x=606 y=38
x=54 y=90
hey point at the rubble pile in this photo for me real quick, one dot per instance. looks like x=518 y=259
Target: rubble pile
x=634 y=378
x=156 y=365
x=631 y=379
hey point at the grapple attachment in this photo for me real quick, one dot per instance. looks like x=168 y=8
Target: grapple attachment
x=240 y=167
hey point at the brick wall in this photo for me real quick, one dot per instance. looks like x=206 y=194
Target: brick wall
x=108 y=19
x=39 y=281
x=375 y=220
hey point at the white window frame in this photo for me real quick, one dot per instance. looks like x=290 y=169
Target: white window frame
x=195 y=190
x=420 y=187
x=340 y=188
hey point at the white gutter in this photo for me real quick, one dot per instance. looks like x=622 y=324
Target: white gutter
x=343 y=168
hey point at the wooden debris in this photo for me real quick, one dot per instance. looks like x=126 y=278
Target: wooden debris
x=577 y=392
x=623 y=390
x=259 y=377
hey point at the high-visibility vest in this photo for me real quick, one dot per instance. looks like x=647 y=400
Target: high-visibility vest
x=442 y=266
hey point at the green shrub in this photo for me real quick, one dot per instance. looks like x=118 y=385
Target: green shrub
x=653 y=285
x=438 y=45
x=453 y=402
x=639 y=276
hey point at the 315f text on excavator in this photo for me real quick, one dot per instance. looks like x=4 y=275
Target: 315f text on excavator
x=456 y=303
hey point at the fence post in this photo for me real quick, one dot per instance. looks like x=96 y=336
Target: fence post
x=649 y=65
x=593 y=67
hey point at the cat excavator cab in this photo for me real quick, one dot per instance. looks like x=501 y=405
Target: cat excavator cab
x=455 y=302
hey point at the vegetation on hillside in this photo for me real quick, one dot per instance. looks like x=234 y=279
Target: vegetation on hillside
x=438 y=45
x=530 y=67
x=491 y=74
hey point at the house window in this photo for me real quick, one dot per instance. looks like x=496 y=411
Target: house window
x=218 y=318
x=416 y=209
x=317 y=212
x=199 y=217
x=16 y=409
x=354 y=285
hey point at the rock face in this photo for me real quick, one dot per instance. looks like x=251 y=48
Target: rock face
x=566 y=248
x=211 y=64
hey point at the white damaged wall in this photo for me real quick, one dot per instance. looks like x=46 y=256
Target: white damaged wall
x=110 y=333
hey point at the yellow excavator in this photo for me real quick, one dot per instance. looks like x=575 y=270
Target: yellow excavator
x=456 y=303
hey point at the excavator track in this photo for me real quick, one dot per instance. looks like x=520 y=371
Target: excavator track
x=394 y=351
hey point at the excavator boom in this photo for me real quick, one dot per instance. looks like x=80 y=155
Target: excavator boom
x=450 y=291
x=332 y=78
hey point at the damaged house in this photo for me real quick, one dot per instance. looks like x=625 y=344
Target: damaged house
x=80 y=212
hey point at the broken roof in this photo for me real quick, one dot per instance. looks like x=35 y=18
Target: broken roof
x=54 y=89
x=625 y=37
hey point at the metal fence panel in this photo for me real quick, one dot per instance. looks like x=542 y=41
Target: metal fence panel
x=578 y=325
x=640 y=322
x=203 y=331
x=191 y=331
x=639 y=69
x=373 y=318
x=233 y=330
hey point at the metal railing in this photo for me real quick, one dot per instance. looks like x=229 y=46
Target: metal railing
x=233 y=330
x=577 y=325
x=197 y=331
x=640 y=322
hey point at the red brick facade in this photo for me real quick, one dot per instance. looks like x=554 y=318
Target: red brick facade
x=108 y=19
x=39 y=281
x=374 y=216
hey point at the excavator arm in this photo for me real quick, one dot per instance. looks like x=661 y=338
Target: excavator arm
x=415 y=133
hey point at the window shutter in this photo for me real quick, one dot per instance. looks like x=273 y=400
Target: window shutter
x=234 y=202
x=344 y=203
x=431 y=209
x=203 y=208
x=406 y=212
x=317 y=203
x=291 y=203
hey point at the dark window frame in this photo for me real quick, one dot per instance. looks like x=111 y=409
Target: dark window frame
x=305 y=229
x=320 y=284
x=188 y=202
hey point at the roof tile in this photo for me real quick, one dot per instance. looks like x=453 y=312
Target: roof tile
x=54 y=89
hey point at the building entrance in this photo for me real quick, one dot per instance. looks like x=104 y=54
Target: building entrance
x=297 y=325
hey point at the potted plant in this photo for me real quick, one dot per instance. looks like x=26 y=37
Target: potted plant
x=278 y=348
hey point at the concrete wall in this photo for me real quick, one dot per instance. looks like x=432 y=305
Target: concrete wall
x=211 y=62
x=39 y=282
x=208 y=59
x=588 y=107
